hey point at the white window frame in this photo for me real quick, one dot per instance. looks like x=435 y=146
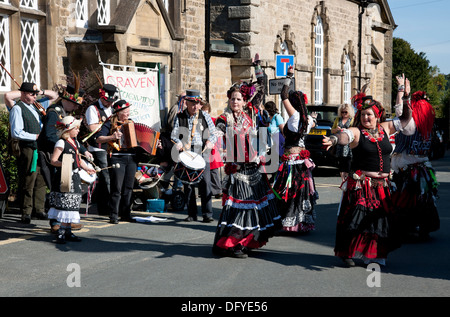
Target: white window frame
x=318 y=62
x=347 y=80
x=104 y=6
x=81 y=13
x=30 y=75
x=5 y=57
x=30 y=4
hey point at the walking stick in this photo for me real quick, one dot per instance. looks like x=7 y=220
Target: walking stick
x=37 y=104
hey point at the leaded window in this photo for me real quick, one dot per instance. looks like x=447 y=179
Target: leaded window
x=103 y=12
x=32 y=4
x=5 y=80
x=30 y=51
x=81 y=12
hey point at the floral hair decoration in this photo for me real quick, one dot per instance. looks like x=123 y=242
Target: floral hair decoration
x=247 y=90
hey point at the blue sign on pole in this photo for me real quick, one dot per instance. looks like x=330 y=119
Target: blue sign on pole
x=282 y=64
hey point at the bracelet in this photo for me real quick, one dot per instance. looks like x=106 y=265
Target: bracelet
x=401 y=88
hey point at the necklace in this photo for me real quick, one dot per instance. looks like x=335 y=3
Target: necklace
x=368 y=133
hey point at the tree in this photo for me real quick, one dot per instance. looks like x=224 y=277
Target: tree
x=436 y=91
x=415 y=66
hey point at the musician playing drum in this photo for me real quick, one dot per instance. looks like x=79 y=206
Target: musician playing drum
x=122 y=178
x=194 y=131
x=66 y=194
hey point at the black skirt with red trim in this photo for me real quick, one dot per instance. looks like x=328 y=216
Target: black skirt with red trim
x=367 y=225
x=415 y=198
x=249 y=215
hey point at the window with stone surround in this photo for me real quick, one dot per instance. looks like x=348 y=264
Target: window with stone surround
x=5 y=80
x=347 y=80
x=318 y=62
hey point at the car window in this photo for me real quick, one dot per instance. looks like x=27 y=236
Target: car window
x=325 y=114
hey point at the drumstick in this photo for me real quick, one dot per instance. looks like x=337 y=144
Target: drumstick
x=90 y=159
x=98 y=169
x=183 y=149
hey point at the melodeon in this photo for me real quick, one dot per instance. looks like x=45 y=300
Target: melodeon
x=139 y=135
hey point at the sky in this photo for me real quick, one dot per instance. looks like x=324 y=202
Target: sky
x=425 y=24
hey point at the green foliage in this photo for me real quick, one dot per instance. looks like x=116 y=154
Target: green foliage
x=417 y=69
x=414 y=65
x=8 y=161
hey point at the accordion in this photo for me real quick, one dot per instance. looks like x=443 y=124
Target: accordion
x=139 y=135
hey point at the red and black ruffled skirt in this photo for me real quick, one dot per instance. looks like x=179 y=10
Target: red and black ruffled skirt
x=367 y=225
x=415 y=197
x=249 y=214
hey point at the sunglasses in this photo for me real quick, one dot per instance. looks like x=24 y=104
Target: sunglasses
x=344 y=112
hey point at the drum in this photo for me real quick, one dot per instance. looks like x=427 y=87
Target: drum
x=189 y=170
x=85 y=177
x=66 y=173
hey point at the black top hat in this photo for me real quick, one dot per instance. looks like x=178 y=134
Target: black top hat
x=120 y=105
x=71 y=94
x=29 y=87
x=193 y=94
x=109 y=92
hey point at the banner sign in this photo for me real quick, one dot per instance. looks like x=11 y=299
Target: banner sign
x=141 y=90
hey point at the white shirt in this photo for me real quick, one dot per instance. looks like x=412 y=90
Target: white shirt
x=91 y=116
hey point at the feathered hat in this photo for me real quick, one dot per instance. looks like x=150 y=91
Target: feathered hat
x=73 y=92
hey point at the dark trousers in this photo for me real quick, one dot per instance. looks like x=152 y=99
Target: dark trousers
x=102 y=187
x=216 y=182
x=32 y=186
x=204 y=190
x=122 y=183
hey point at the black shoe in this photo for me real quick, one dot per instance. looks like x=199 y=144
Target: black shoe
x=348 y=262
x=208 y=219
x=25 y=220
x=72 y=237
x=190 y=219
x=114 y=221
x=240 y=254
x=61 y=239
x=40 y=216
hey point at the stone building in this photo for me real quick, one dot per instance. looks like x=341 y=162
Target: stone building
x=323 y=37
x=41 y=40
